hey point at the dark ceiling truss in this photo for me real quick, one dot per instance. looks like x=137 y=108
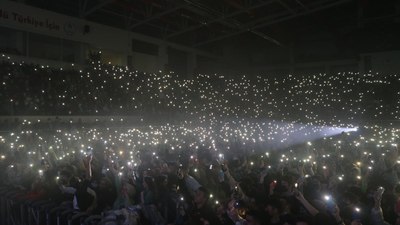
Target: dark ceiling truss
x=196 y=22
x=207 y=15
x=279 y=17
x=301 y=3
x=129 y=19
x=220 y=18
x=229 y=22
x=159 y=15
x=84 y=12
x=286 y=6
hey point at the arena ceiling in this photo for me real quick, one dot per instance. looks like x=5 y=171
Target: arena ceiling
x=200 y=23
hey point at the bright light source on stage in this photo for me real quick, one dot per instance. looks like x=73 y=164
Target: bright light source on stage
x=354 y=129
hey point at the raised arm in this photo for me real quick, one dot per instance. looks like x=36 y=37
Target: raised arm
x=234 y=184
x=311 y=209
x=376 y=212
x=87 y=162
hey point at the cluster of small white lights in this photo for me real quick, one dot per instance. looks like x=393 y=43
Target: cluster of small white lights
x=316 y=98
x=220 y=111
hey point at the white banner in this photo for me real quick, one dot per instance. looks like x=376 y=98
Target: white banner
x=15 y=15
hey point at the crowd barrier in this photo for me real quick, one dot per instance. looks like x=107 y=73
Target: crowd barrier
x=17 y=209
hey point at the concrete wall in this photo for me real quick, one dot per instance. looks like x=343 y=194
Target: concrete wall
x=116 y=44
x=382 y=62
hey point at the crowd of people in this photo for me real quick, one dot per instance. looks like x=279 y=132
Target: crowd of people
x=113 y=172
x=101 y=89
x=299 y=150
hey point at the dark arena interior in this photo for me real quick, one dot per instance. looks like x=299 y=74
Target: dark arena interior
x=199 y=112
